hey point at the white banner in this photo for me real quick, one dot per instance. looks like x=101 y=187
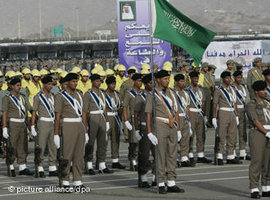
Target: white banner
x=242 y=52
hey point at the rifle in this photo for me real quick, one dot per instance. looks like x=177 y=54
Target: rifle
x=37 y=158
x=217 y=140
x=62 y=163
x=10 y=152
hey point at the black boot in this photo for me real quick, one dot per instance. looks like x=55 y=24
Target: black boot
x=118 y=166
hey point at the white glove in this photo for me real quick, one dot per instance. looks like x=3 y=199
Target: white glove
x=214 y=122
x=33 y=131
x=153 y=138
x=190 y=129
x=138 y=136
x=237 y=120
x=107 y=126
x=268 y=135
x=179 y=136
x=128 y=125
x=57 y=141
x=5 y=133
x=205 y=119
x=86 y=138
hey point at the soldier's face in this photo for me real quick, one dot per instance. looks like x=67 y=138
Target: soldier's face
x=121 y=73
x=16 y=88
x=164 y=82
x=258 y=64
x=230 y=66
x=73 y=84
x=48 y=86
x=148 y=86
x=181 y=84
x=262 y=93
x=194 y=80
x=227 y=80
x=186 y=68
x=27 y=76
x=238 y=79
x=205 y=69
x=112 y=86
x=96 y=83
x=84 y=78
x=138 y=83
x=36 y=78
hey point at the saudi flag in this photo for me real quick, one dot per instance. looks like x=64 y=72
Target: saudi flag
x=171 y=25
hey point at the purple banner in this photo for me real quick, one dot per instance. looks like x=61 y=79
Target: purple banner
x=134 y=36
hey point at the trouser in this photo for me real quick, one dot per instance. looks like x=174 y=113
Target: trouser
x=167 y=151
x=73 y=148
x=145 y=146
x=198 y=129
x=227 y=131
x=184 y=143
x=46 y=136
x=260 y=157
x=133 y=143
x=242 y=130
x=207 y=103
x=18 y=140
x=97 y=131
x=114 y=133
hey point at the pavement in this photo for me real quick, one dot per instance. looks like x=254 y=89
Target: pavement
x=205 y=181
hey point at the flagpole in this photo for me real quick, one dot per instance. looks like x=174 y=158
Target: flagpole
x=153 y=89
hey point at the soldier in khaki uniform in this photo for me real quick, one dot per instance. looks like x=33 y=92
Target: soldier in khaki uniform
x=225 y=99
x=68 y=122
x=258 y=111
x=145 y=145
x=197 y=118
x=44 y=106
x=167 y=131
x=113 y=113
x=254 y=74
x=127 y=85
x=242 y=99
x=14 y=116
x=184 y=117
x=95 y=117
x=230 y=68
x=128 y=114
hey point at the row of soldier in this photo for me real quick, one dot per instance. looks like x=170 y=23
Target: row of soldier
x=97 y=114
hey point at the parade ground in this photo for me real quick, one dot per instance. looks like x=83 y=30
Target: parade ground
x=205 y=181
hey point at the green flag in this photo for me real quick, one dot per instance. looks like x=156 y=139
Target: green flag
x=171 y=25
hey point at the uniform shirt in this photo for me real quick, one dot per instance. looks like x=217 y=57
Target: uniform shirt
x=115 y=99
x=40 y=108
x=221 y=100
x=257 y=111
x=184 y=99
x=119 y=82
x=84 y=87
x=127 y=85
x=140 y=101
x=89 y=103
x=160 y=110
x=198 y=92
x=63 y=107
x=12 y=110
x=129 y=101
x=242 y=90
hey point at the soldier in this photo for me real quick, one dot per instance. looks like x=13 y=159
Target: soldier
x=113 y=113
x=55 y=89
x=128 y=114
x=14 y=116
x=168 y=67
x=84 y=84
x=68 y=111
x=184 y=117
x=225 y=99
x=197 y=118
x=242 y=99
x=26 y=77
x=167 y=131
x=184 y=69
x=258 y=111
x=102 y=75
x=145 y=145
x=120 y=78
x=62 y=81
x=127 y=85
x=44 y=106
x=95 y=117
x=254 y=74
x=34 y=86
